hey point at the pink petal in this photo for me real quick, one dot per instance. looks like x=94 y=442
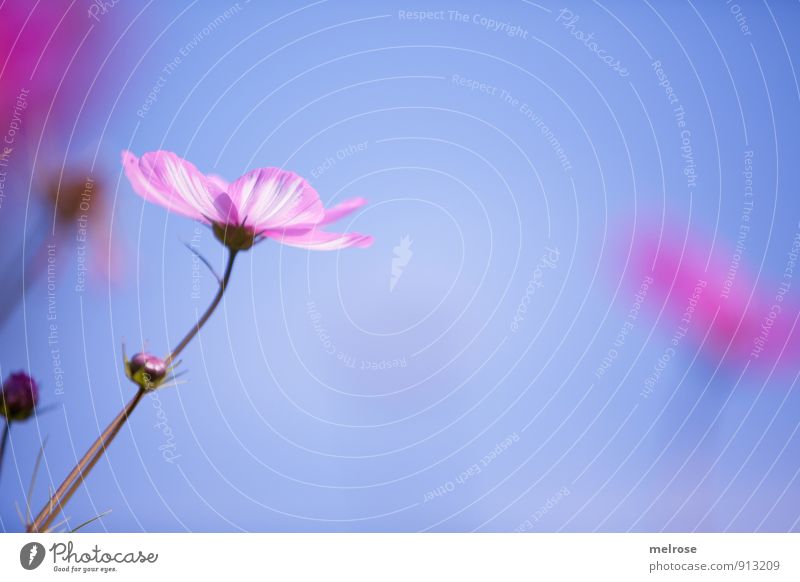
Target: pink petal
x=270 y=198
x=341 y=210
x=226 y=211
x=318 y=240
x=220 y=182
x=331 y=215
x=163 y=178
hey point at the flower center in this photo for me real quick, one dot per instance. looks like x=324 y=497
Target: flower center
x=235 y=237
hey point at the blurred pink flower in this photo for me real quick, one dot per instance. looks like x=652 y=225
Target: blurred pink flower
x=75 y=218
x=52 y=86
x=727 y=316
x=77 y=206
x=40 y=48
x=265 y=203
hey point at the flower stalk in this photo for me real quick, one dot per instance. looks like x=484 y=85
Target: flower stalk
x=3 y=441
x=223 y=284
x=79 y=473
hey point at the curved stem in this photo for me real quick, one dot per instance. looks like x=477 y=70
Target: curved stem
x=200 y=322
x=81 y=470
x=98 y=449
x=3 y=441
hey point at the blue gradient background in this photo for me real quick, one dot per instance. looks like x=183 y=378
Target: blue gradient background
x=274 y=433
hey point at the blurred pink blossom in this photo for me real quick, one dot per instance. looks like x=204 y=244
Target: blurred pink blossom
x=50 y=57
x=42 y=65
x=725 y=314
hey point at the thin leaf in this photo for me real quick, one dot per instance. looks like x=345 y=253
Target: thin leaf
x=28 y=512
x=205 y=261
x=19 y=513
x=90 y=521
x=52 y=528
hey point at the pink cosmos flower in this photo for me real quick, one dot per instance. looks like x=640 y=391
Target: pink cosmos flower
x=264 y=203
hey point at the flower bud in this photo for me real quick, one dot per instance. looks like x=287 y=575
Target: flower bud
x=19 y=396
x=146 y=370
